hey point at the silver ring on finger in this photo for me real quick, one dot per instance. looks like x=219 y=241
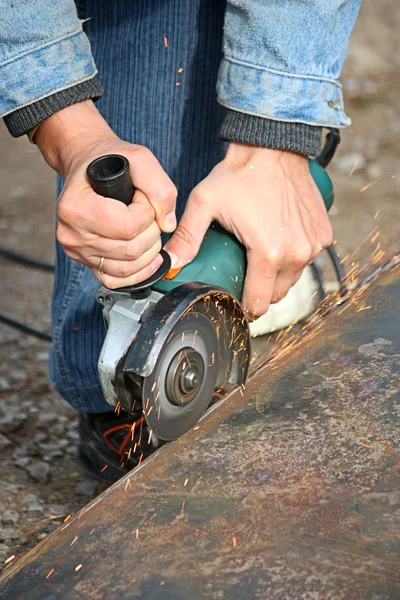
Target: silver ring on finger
x=101 y=265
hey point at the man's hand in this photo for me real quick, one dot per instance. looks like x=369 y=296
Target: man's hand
x=269 y=201
x=91 y=227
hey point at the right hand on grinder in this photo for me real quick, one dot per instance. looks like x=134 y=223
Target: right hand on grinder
x=91 y=227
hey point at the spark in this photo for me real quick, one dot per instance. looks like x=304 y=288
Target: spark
x=50 y=573
x=165 y=41
x=91 y=531
x=153 y=387
x=370 y=184
x=74 y=540
x=137 y=534
x=234 y=542
x=9 y=559
x=197 y=427
x=150 y=435
x=377 y=233
x=128 y=484
x=180 y=70
x=104 y=468
x=182 y=508
x=353 y=168
x=376 y=214
x=78 y=567
x=363 y=308
x=185 y=482
x=178 y=83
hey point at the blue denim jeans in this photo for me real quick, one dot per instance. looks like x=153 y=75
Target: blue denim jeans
x=139 y=46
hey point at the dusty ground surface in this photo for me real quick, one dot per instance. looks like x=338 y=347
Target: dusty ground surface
x=40 y=482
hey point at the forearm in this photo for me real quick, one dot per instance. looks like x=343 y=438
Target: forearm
x=70 y=131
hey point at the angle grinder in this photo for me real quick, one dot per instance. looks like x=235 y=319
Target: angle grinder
x=179 y=339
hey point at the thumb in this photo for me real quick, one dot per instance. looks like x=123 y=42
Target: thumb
x=188 y=236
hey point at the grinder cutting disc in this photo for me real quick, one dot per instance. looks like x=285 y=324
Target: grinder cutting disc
x=179 y=390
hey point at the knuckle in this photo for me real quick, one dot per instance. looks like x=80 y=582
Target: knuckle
x=126 y=269
x=184 y=235
x=302 y=255
x=167 y=195
x=132 y=250
x=142 y=153
x=66 y=210
x=65 y=238
x=128 y=229
x=272 y=257
x=279 y=294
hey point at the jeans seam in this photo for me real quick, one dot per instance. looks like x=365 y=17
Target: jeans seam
x=60 y=89
x=284 y=74
x=63 y=368
x=42 y=47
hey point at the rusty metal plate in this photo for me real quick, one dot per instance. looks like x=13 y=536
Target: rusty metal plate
x=289 y=489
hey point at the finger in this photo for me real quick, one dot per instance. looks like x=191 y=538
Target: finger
x=120 y=250
x=283 y=282
x=149 y=177
x=258 y=285
x=188 y=236
x=139 y=270
x=93 y=216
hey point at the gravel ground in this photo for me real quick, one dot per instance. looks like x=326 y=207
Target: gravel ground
x=40 y=481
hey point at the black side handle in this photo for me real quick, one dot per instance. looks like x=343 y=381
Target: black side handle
x=110 y=177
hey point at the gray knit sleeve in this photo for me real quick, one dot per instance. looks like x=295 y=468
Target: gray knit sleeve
x=24 y=119
x=281 y=135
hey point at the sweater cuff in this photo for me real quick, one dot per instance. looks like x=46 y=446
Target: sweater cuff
x=281 y=135
x=24 y=119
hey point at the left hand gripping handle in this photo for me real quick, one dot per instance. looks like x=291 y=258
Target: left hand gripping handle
x=109 y=176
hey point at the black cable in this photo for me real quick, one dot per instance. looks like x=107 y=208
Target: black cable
x=331 y=143
x=316 y=271
x=26 y=260
x=25 y=328
x=339 y=270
